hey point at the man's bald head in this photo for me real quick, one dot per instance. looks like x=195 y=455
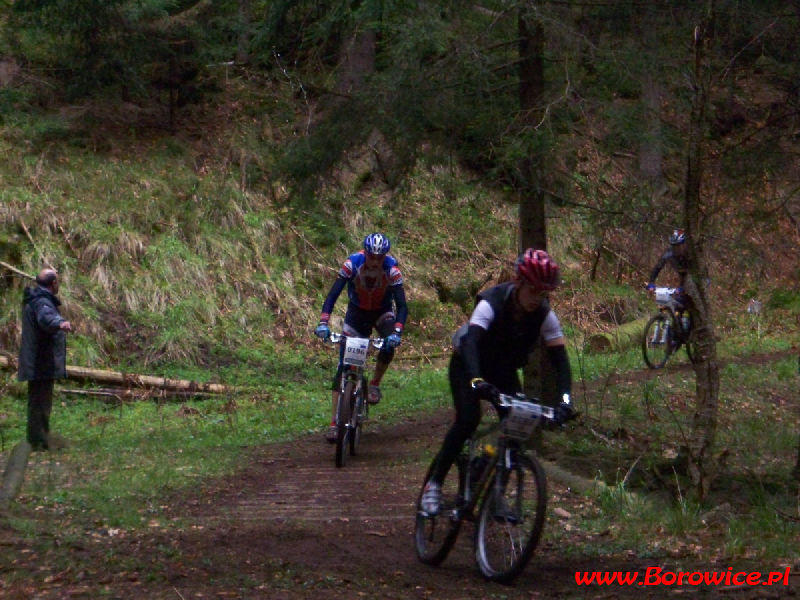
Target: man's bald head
x=47 y=277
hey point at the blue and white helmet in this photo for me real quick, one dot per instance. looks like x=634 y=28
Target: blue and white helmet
x=677 y=237
x=376 y=243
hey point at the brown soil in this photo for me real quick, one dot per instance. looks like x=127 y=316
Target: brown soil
x=290 y=525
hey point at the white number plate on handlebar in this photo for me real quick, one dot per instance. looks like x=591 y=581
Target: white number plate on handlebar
x=665 y=295
x=522 y=419
x=355 y=351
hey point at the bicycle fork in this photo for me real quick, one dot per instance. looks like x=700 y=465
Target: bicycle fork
x=660 y=333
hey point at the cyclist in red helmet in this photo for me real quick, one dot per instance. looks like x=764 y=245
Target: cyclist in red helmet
x=508 y=320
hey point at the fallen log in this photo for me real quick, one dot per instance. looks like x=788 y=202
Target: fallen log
x=131 y=380
x=623 y=337
x=122 y=394
x=14 y=269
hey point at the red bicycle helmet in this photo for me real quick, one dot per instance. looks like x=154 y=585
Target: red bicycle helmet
x=537 y=268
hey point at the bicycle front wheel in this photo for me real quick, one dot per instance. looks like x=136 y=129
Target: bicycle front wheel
x=343 y=429
x=691 y=346
x=511 y=519
x=657 y=343
x=355 y=419
x=434 y=535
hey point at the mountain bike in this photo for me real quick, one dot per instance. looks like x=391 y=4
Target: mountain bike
x=500 y=486
x=352 y=408
x=667 y=330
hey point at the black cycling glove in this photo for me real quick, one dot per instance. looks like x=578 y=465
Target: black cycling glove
x=483 y=389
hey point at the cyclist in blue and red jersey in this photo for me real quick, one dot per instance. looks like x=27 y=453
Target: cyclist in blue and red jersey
x=376 y=300
x=508 y=320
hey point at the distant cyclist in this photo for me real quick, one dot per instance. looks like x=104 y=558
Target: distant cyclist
x=677 y=257
x=377 y=301
x=507 y=322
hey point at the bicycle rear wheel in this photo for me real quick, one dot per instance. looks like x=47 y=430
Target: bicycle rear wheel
x=343 y=430
x=657 y=343
x=511 y=519
x=434 y=535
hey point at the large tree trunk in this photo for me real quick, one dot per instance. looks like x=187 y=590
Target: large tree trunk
x=704 y=423
x=540 y=380
x=532 y=227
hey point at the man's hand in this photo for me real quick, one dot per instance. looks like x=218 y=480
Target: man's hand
x=483 y=389
x=322 y=331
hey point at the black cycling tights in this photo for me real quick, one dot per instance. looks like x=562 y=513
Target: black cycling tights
x=468 y=413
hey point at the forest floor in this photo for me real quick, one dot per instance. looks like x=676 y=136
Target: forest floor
x=290 y=525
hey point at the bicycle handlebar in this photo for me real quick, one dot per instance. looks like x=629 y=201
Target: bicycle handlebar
x=504 y=402
x=337 y=338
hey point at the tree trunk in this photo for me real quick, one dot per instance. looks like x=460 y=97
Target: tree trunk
x=532 y=226
x=706 y=367
x=540 y=380
x=356 y=61
x=651 y=155
x=243 y=41
x=796 y=470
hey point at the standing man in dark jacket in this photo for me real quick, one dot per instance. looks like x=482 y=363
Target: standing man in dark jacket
x=42 y=353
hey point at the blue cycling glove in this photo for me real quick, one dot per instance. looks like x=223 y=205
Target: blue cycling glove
x=394 y=339
x=323 y=331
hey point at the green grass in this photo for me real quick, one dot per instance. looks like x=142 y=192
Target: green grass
x=751 y=510
x=124 y=458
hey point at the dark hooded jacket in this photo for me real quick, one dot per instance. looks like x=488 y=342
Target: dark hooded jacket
x=43 y=351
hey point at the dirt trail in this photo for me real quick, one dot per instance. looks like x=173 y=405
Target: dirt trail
x=290 y=525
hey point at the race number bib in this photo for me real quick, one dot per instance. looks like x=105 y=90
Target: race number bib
x=522 y=420
x=355 y=351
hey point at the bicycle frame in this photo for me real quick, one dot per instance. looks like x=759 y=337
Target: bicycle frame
x=504 y=449
x=355 y=356
x=666 y=331
x=351 y=409
x=507 y=503
x=669 y=305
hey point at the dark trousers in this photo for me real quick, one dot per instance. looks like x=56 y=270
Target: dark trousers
x=40 y=403
x=468 y=410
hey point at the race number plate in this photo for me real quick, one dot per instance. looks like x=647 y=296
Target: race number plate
x=664 y=295
x=355 y=351
x=522 y=420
